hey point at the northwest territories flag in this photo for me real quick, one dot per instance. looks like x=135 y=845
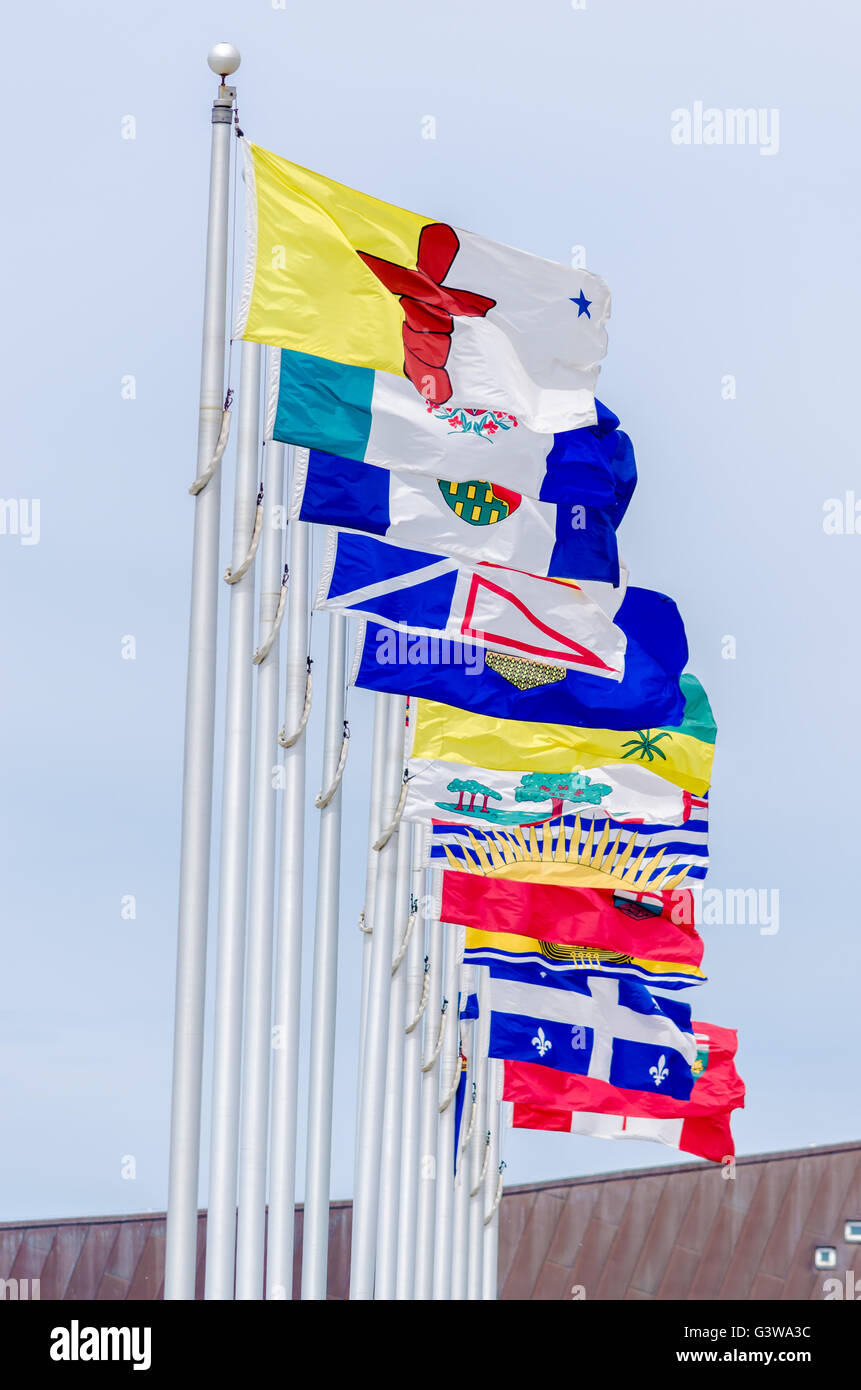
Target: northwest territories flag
x=473 y=521
x=503 y=948
x=709 y=1138
x=717 y=1087
x=469 y=794
x=580 y=851
x=341 y=275
x=653 y=925
x=379 y=419
x=681 y=753
x=546 y=620
x=592 y=1026
x=499 y=686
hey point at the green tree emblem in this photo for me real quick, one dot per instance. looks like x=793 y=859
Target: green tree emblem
x=558 y=787
x=469 y=787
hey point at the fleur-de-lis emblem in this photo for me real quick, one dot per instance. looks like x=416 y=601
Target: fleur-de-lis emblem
x=661 y=1071
x=544 y=1044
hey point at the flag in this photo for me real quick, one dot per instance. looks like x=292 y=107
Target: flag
x=718 y=1087
x=593 y=1027
x=340 y=275
x=655 y=925
x=709 y=1138
x=582 y=851
x=681 y=753
x=450 y=790
x=505 y=948
x=548 y=620
x=473 y=521
x=505 y=687
x=379 y=419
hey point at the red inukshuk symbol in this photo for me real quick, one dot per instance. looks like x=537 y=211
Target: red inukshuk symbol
x=429 y=308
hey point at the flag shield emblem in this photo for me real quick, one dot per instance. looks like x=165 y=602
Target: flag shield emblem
x=478 y=502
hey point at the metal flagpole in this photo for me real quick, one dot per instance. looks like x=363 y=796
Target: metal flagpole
x=288 y=963
x=378 y=763
x=233 y=881
x=390 y=1169
x=449 y=1063
x=315 y=1242
x=429 y=1103
x=460 y=1223
x=480 y=1143
x=257 y=1042
x=373 y=1088
x=181 y=1246
x=412 y=1044
x=490 y=1263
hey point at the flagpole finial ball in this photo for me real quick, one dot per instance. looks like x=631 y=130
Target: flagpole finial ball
x=223 y=58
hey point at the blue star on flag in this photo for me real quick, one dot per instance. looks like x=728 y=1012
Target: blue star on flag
x=582 y=305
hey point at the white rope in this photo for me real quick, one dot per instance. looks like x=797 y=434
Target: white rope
x=322 y=799
x=426 y=1066
x=452 y=1091
x=395 y=821
x=265 y=647
x=306 y=713
x=223 y=435
x=423 y=1002
x=473 y=1109
x=498 y=1198
x=402 y=950
x=233 y=578
x=475 y=1191
x=369 y=931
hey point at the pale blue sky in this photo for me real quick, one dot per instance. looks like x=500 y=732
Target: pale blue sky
x=553 y=129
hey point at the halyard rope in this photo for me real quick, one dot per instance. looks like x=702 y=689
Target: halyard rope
x=223 y=435
x=483 y=1174
x=233 y=577
x=306 y=713
x=408 y=931
x=395 y=821
x=498 y=1198
x=265 y=647
x=424 y=999
x=322 y=799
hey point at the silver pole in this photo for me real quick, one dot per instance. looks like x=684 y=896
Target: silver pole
x=378 y=764
x=254 y=1122
x=409 y=1180
x=460 y=1222
x=288 y=967
x=390 y=1169
x=490 y=1263
x=429 y=1105
x=315 y=1243
x=233 y=880
x=184 y=1163
x=477 y=1204
x=373 y=1090
x=445 y=1184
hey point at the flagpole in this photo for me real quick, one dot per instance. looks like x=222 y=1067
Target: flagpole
x=490 y=1262
x=412 y=1066
x=480 y=1145
x=257 y=1042
x=449 y=1060
x=315 y=1241
x=233 y=878
x=288 y=962
x=378 y=763
x=429 y=1103
x=459 y=1245
x=184 y=1162
x=390 y=1169
x=373 y=1089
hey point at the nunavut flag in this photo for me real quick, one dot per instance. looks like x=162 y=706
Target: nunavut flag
x=340 y=275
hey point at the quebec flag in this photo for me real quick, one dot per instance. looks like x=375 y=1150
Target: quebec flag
x=605 y=1029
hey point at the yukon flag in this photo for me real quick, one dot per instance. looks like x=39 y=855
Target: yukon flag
x=469 y=322
x=550 y=621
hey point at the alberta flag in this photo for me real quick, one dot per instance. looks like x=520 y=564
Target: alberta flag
x=608 y=1030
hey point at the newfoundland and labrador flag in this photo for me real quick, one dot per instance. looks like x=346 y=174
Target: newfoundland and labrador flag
x=709 y=1137
x=340 y=275
x=717 y=1087
x=474 y=522
x=593 y=1027
x=681 y=753
x=379 y=419
x=653 y=925
x=500 y=686
x=545 y=620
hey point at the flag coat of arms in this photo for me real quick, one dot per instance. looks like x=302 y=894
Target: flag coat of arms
x=592 y=1026
x=341 y=275
x=379 y=419
x=681 y=754
x=653 y=925
x=506 y=687
x=474 y=522
x=580 y=851
x=436 y=791
x=504 y=948
x=546 y=620
x=709 y=1137
x=717 y=1087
